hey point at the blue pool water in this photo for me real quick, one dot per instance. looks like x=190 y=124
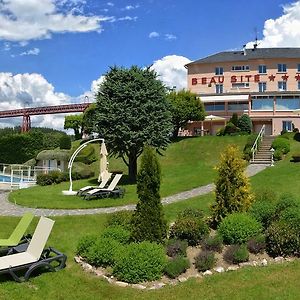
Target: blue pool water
x=4 y=178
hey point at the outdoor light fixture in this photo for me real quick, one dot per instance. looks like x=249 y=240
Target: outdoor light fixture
x=272 y=157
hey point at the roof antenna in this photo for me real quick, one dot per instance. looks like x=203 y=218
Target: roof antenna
x=255 y=45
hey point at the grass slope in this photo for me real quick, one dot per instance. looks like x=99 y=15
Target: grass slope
x=186 y=164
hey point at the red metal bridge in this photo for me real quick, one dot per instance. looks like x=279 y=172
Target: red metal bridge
x=27 y=112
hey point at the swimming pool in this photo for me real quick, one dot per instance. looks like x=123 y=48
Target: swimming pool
x=4 y=178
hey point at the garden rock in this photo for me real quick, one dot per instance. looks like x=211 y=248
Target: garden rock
x=279 y=259
x=264 y=262
x=232 y=268
x=219 y=269
x=208 y=272
x=121 y=283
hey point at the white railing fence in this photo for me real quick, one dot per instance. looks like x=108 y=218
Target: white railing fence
x=258 y=139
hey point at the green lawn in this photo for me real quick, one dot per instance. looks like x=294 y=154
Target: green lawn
x=272 y=282
x=186 y=164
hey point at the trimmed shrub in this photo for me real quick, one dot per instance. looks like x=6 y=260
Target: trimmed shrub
x=87 y=155
x=281 y=144
x=84 y=244
x=44 y=179
x=263 y=212
x=65 y=142
x=213 y=243
x=245 y=123
x=148 y=220
x=205 y=260
x=176 y=266
x=139 y=262
x=176 y=248
x=257 y=244
x=122 y=218
x=191 y=229
x=282 y=239
x=231 y=129
x=191 y=212
x=291 y=216
x=232 y=191
x=278 y=154
x=234 y=119
x=117 y=233
x=238 y=228
x=103 y=252
x=285 y=201
x=236 y=254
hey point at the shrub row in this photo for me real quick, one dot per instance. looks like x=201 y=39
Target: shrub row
x=281 y=146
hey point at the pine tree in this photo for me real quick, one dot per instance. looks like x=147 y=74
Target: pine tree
x=245 y=123
x=232 y=186
x=148 y=221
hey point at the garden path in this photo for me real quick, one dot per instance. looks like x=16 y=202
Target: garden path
x=10 y=209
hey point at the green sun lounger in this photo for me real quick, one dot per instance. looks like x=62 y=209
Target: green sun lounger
x=19 y=232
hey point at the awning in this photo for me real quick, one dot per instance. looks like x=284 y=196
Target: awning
x=214 y=118
x=224 y=98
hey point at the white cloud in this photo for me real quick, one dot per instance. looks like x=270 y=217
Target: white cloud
x=110 y=4
x=127 y=18
x=153 y=34
x=131 y=7
x=34 y=51
x=283 y=31
x=171 y=71
x=34 y=19
x=30 y=90
x=170 y=37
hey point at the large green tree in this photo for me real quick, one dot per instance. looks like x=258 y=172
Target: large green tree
x=88 y=119
x=74 y=122
x=148 y=221
x=185 y=106
x=132 y=111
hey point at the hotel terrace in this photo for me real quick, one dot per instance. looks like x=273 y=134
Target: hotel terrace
x=261 y=82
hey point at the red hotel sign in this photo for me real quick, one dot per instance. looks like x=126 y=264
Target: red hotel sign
x=238 y=79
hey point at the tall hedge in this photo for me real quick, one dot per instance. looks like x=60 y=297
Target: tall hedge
x=148 y=221
x=245 y=123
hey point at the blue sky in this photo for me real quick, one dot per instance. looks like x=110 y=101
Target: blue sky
x=51 y=51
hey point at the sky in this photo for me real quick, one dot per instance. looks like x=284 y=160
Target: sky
x=57 y=51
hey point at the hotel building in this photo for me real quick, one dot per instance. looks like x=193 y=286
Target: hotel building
x=261 y=82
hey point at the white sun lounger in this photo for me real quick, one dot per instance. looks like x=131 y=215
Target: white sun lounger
x=102 y=185
x=99 y=192
x=33 y=257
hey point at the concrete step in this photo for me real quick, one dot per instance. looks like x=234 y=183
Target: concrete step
x=261 y=161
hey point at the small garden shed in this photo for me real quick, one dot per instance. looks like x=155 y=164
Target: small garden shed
x=56 y=158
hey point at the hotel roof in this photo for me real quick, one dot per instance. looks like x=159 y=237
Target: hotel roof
x=249 y=54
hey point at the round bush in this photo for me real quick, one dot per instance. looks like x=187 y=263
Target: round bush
x=213 y=243
x=291 y=216
x=138 y=262
x=257 y=244
x=205 y=261
x=122 y=218
x=277 y=155
x=281 y=144
x=103 y=252
x=238 y=228
x=176 y=266
x=236 y=254
x=176 y=248
x=263 y=212
x=286 y=201
x=117 y=233
x=84 y=245
x=282 y=239
x=191 y=229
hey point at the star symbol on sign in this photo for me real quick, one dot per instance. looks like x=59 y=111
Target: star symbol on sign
x=272 y=77
x=285 y=77
x=297 y=77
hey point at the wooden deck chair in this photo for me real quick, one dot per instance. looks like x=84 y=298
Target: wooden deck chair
x=35 y=256
x=102 y=193
x=19 y=232
x=102 y=185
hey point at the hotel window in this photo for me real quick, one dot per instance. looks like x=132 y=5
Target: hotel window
x=298 y=68
x=240 y=68
x=287 y=103
x=237 y=106
x=240 y=85
x=262 y=87
x=219 y=71
x=219 y=88
x=281 y=68
x=281 y=86
x=215 y=106
x=262 y=103
x=287 y=125
x=262 y=69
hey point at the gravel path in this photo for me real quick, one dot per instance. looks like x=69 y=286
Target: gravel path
x=9 y=209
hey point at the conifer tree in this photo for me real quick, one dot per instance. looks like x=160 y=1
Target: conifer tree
x=148 y=221
x=232 y=191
